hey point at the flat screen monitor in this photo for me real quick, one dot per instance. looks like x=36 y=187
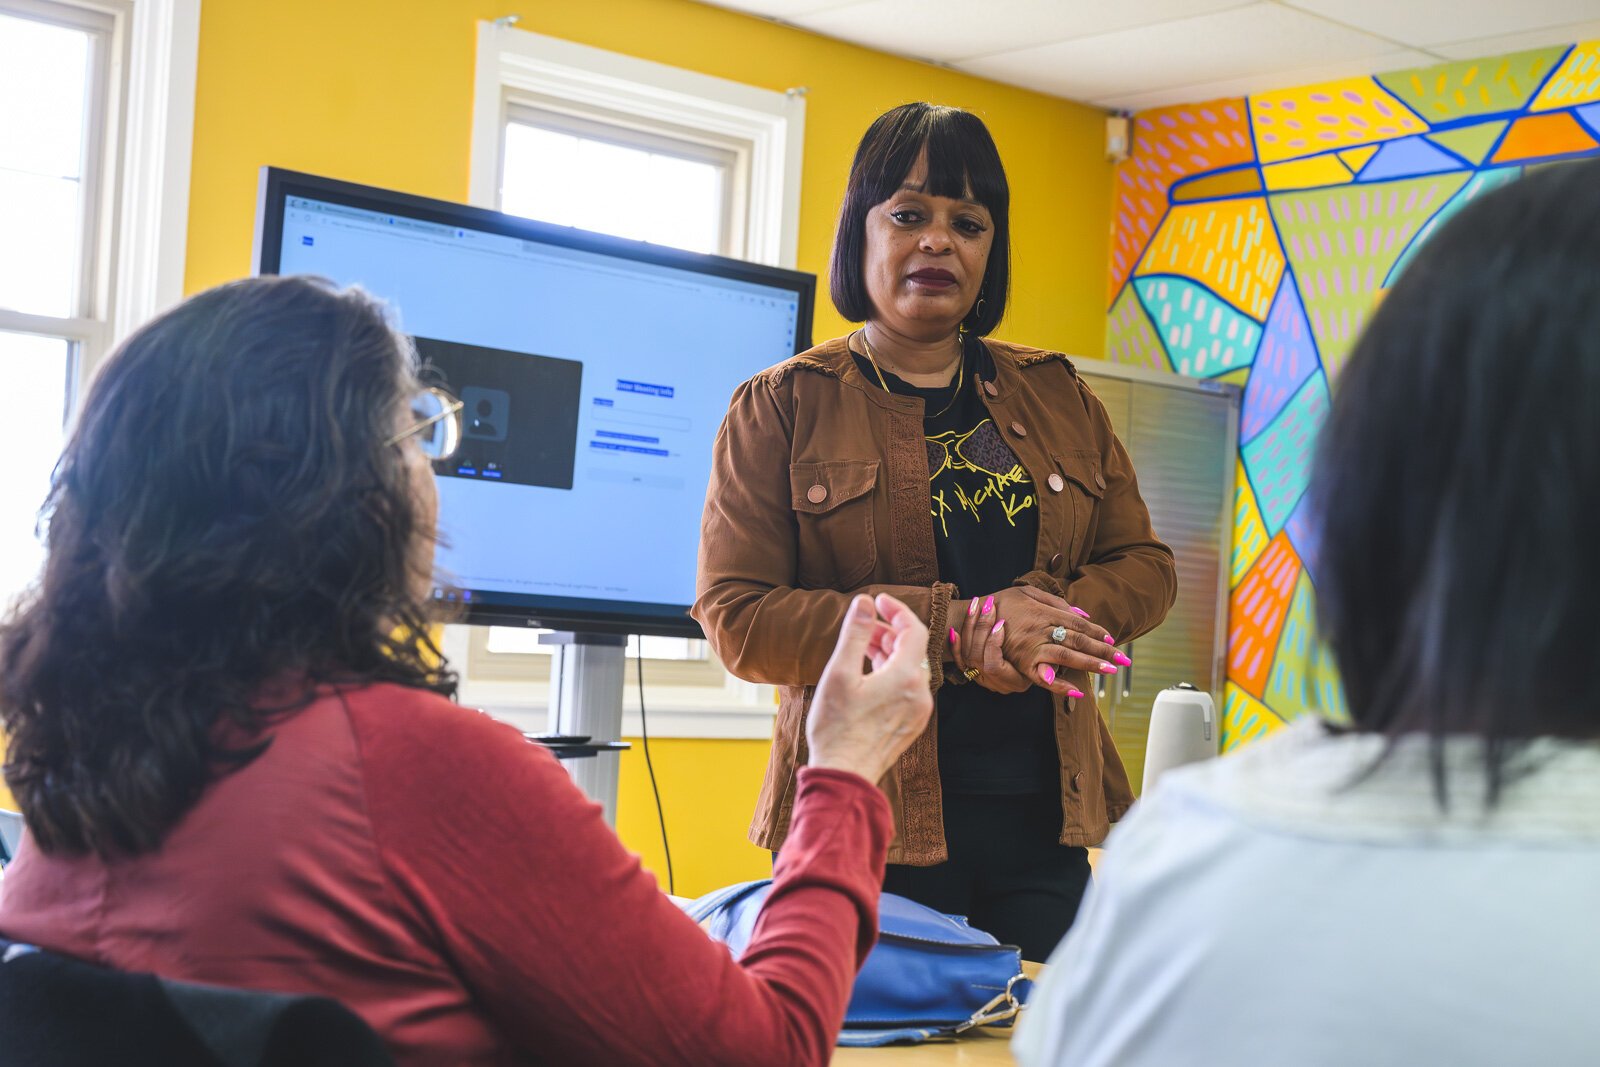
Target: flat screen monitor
x=594 y=371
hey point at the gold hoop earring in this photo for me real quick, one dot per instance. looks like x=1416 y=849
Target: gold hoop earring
x=974 y=315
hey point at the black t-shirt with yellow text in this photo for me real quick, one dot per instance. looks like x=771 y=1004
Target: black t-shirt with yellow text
x=985 y=530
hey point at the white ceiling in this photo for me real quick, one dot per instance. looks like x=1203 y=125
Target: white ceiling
x=1133 y=54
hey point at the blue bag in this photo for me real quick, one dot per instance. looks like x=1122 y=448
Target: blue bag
x=930 y=974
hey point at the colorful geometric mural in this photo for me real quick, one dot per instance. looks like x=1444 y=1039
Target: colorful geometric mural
x=1251 y=241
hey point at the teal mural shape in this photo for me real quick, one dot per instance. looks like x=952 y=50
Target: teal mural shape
x=1203 y=334
x=1278 y=459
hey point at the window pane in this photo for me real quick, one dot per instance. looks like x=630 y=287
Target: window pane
x=510 y=639
x=44 y=84
x=35 y=370
x=694 y=191
x=40 y=238
x=44 y=78
x=611 y=188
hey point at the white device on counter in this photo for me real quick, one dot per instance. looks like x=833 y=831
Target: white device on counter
x=1183 y=729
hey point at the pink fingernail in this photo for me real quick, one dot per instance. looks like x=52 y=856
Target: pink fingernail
x=955 y=639
x=988 y=605
x=1074 y=694
x=1080 y=611
x=1109 y=641
x=1121 y=659
x=1106 y=668
x=1001 y=625
x=1048 y=673
x=972 y=607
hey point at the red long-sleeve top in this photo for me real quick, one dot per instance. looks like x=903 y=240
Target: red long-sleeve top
x=446 y=880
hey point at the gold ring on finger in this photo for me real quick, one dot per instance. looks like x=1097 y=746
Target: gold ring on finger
x=972 y=673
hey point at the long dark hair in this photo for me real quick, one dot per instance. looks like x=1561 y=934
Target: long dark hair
x=227 y=521
x=962 y=162
x=1457 y=481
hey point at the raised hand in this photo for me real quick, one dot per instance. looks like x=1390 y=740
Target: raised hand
x=861 y=720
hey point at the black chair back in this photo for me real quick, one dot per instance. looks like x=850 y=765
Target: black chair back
x=56 y=1011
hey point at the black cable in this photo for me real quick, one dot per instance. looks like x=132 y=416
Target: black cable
x=644 y=735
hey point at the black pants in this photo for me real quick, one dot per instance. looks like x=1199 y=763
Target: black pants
x=1007 y=872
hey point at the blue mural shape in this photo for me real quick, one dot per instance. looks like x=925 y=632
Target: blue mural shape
x=1589 y=115
x=1278 y=460
x=1409 y=157
x=1303 y=536
x=1284 y=361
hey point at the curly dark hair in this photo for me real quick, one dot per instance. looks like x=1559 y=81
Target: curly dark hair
x=228 y=528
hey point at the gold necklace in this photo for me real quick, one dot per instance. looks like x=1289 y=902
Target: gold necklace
x=961 y=375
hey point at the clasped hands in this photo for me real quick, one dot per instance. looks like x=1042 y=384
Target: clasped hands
x=1022 y=636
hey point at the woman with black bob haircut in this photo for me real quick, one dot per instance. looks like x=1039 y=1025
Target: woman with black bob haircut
x=1420 y=880
x=231 y=737
x=979 y=482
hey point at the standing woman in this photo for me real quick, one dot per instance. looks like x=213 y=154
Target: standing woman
x=977 y=481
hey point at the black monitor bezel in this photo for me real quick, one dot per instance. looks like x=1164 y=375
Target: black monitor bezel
x=278 y=184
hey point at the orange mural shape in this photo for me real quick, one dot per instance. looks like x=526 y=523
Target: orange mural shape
x=1544 y=135
x=1169 y=144
x=1256 y=614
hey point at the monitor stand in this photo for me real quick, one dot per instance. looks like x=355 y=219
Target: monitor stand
x=586 y=679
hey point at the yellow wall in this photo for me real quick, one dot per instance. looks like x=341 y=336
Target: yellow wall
x=708 y=790
x=381 y=93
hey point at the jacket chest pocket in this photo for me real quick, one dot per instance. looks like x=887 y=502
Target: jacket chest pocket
x=836 y=545
x=1084 y=487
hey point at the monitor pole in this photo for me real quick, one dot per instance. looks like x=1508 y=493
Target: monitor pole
x=586 y=680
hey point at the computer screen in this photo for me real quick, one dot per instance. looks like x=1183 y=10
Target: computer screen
x=594 y=373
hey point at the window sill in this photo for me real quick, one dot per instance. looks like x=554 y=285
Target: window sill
x=686 y=711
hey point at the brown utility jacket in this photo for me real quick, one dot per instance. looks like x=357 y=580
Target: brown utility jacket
x=819 y=490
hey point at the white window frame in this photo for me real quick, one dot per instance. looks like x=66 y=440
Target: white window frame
x=683 y=698
x=514 y=63
x=139 y=175
x=764 y=132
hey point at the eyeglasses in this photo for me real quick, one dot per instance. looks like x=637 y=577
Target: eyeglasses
x=438 y=424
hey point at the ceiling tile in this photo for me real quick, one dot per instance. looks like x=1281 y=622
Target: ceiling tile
x=1421 y=23
x=1262 y=83
x=1242 y=43
x=1517 y=42
x=953 y=30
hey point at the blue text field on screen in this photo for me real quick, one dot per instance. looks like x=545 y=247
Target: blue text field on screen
x=610 y=447
x=643 y=388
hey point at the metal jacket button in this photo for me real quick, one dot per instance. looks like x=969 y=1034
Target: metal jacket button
x=1055 y=561
x=1018 y=429
x=1057 y=483
x=817 y=494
